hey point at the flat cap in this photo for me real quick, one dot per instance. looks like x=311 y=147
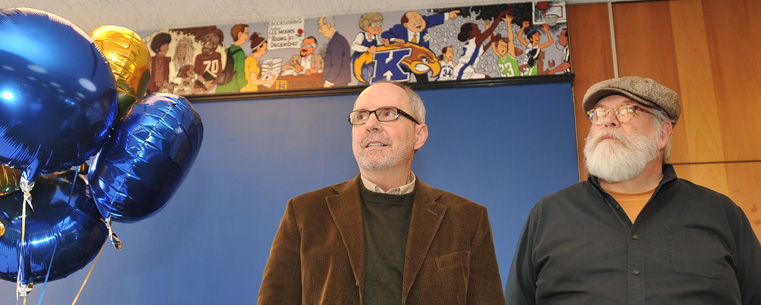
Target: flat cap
x=642 y=90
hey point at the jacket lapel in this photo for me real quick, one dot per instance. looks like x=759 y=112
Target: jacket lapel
x=347 y=215
x=427 y=215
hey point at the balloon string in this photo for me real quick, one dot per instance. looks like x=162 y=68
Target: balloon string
x=47 y=275
x=73 y=184
x=26 y=187
x=27 y=196
x=88 y=274
x=115 y=241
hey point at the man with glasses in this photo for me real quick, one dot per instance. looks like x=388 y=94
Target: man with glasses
x=634 y=233
x=306 y=62
x=384 y=237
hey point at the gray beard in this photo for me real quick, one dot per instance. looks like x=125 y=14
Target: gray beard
x=622 y=160
x=375 y=164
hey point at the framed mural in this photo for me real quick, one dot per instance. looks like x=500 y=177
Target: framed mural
x=458 y=46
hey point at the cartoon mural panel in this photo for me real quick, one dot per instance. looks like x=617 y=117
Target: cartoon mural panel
x=416 y=46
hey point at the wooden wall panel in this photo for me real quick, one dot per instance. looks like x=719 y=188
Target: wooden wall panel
x=591 y=59
x=700 y=119
x=734 y=40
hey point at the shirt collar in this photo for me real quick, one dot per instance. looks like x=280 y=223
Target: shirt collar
x=402 y=190
x=669 y=174
x=411 y=34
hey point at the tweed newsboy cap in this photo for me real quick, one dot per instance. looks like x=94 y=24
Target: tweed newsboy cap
x=642 y=90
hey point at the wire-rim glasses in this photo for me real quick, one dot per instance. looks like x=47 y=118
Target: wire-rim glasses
x=623 y=113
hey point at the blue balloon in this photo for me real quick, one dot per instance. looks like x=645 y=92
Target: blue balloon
x=147 y=156
x=58 y=96
x=64 y=219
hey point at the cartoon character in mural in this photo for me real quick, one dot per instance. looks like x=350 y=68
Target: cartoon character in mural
x=534 y=45
x=183 y=65
x=565 y=66
x=448 y=64
x=306 y=62
x=474 y=48
x=337 y=58
x=235 y=80
x=208 y=64
x=507 y=53
x=252 y=69
x=160 y=63
x=414 y=29
x=538 y=67
x=368 y=41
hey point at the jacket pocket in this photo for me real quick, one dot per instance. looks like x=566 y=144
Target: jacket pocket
x=454 y=271
x=697 y=252
x=453 y=260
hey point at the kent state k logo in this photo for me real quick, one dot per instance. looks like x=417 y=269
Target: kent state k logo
x=395 y=61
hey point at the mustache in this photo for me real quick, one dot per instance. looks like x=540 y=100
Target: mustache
x=614 y=133
x=375 y=138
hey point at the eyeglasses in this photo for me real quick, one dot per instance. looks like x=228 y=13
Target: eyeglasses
x=374 y=24
x=624 y=113
x=383 y=114
x=309 y=46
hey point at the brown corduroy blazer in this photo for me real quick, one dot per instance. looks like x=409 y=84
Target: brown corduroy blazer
x=318 y=255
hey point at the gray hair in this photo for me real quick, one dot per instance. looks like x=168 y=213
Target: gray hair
x=329 y=20
x=417 y=108
x=660 y=118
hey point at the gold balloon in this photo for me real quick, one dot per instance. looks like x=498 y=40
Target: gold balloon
x=83 y=168
x=9 y=179
x=130 y=62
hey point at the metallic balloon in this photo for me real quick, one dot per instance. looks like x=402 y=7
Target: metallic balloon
x=130 y=61
x=64 y=218
x=9 y=180
x=147 y=156
x=57 y=93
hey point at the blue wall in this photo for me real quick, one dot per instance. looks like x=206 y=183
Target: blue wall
x=504 y=147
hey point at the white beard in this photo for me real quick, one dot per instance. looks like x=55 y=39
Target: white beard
x=621 y=160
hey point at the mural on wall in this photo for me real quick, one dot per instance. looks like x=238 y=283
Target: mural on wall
x=418 y=46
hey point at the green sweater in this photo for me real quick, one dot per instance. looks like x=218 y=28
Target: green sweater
x=386 y=221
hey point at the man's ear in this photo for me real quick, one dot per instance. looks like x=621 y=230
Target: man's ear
x=667 y=128
x=421 y=135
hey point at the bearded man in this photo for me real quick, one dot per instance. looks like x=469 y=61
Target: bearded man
x=306 y=62
x=634 y=233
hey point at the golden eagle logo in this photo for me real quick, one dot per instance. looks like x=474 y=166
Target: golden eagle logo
x=420 y=60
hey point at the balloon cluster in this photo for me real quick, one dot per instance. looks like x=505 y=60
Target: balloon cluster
x=70 y=101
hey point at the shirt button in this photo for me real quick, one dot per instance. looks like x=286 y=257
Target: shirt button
x=636 y=272
x=635 y=237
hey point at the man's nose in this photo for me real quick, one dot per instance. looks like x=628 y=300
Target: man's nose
x=610 y=120
x=372 y=122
